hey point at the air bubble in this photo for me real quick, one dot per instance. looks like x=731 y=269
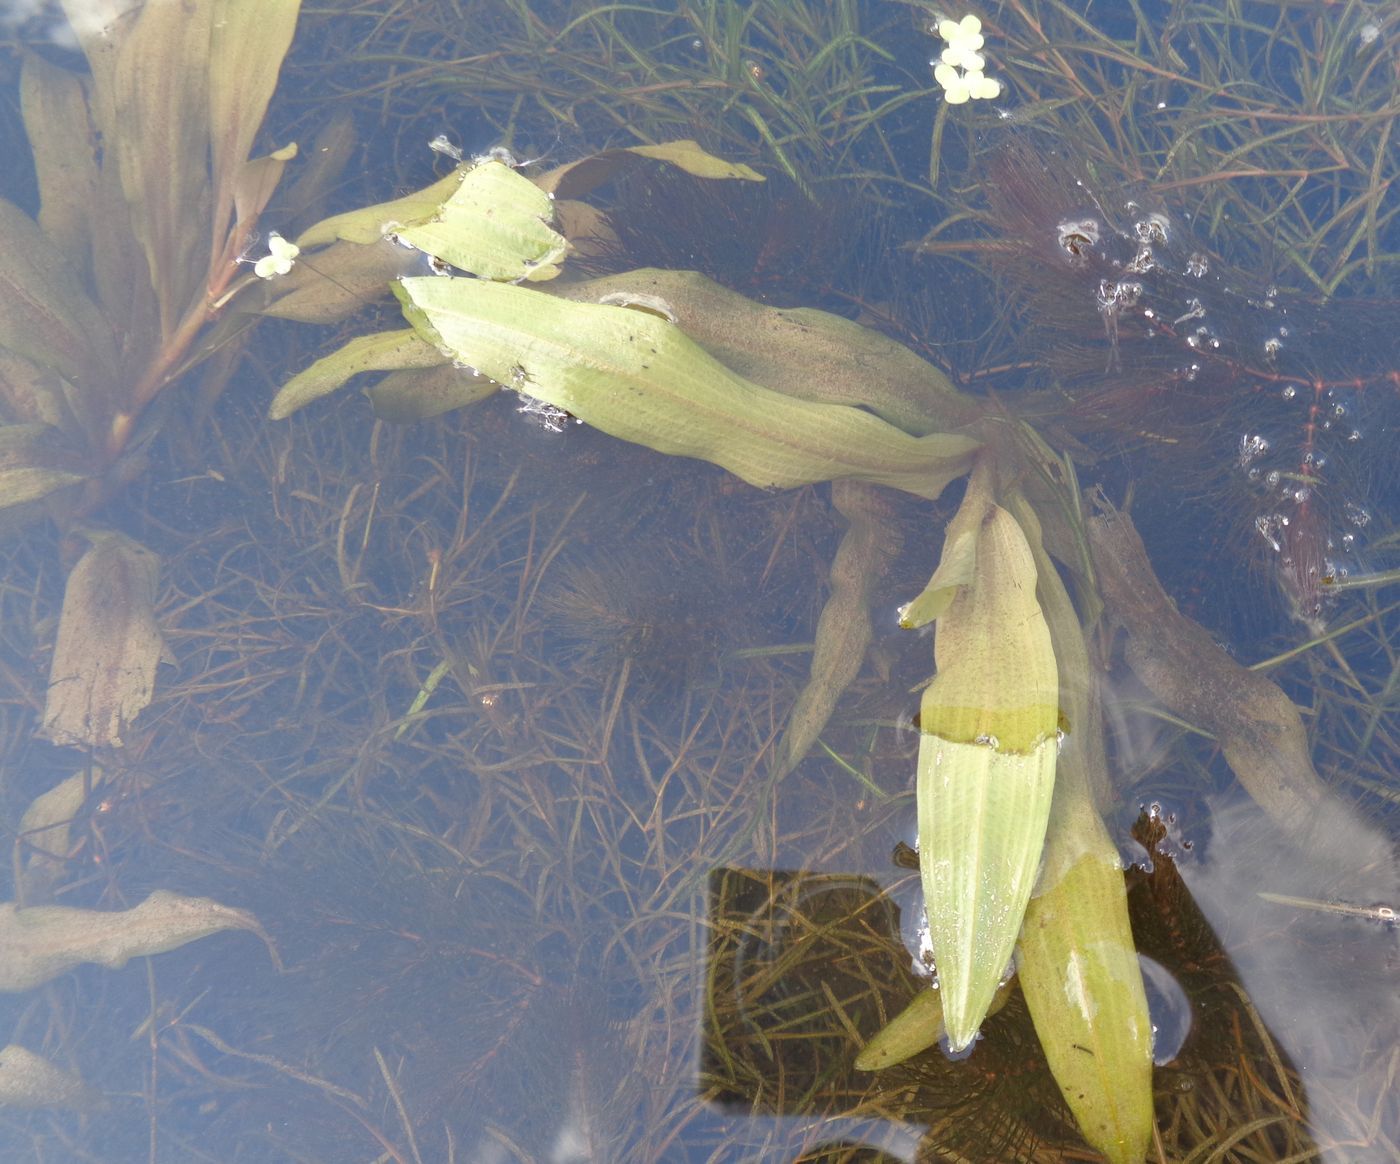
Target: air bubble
x=1290 y=391
x=1358 y=515
x=1076 y=237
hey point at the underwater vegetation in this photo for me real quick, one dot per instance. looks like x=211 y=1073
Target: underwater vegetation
x=546 y=710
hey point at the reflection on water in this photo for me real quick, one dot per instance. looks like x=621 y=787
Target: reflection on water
x=478 y=719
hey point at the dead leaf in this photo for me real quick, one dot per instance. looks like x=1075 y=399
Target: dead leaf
x=104 y=665
x=44 y=941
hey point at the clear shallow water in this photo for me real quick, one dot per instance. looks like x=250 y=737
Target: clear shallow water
x=507 y=927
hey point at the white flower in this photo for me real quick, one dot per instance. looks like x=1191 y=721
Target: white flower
x=960 y=66
x=955 y=89
x=279 y=259
x=966 y=32
x=980 y=87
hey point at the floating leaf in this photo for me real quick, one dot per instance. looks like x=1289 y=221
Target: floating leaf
x=496 y=225
x=640 y=378
x=104 y=664
x=28 y=1080
x=1077 y=961
x=800 y=352
x=986 y=767
x=372 y=223
x=44 y=941
x=378 y=352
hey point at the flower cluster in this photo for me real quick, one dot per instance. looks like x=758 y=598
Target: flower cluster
x=280 y=257
x=959 y=68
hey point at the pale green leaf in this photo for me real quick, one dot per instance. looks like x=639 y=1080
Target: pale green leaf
x=1077 y=961
x=496 y=225
x=986 y=767
x=372 y=223
x=916 y=1028
x=378 y=352
x=641 y=379
x=801 y=352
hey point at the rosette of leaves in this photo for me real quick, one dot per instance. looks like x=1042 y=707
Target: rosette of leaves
x=147 y=198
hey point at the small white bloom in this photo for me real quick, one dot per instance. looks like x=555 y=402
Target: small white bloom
x=955 y=88
x=280 y=258
x=966 y=32
x=959 y=71
x=962 y=57
x=981 y=87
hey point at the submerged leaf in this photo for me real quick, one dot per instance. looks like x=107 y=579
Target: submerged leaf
x=641 y=379
x=869 y=545
x=28 y=1080
x=916 y=1028
x=1258 y=727
x=419 y=393
x=577 y=178
x=65 y=156
x=159 y=136
x=44 y=941
x=104 y=664
x=44 y=831
x=986 y=767
x=249 y=39
x=33 y=464
x=385 y=351
x=45 y=315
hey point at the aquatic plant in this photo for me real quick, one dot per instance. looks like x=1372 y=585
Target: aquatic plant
x=148 y=200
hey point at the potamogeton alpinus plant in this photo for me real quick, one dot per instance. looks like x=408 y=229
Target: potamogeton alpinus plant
x=148 y=198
